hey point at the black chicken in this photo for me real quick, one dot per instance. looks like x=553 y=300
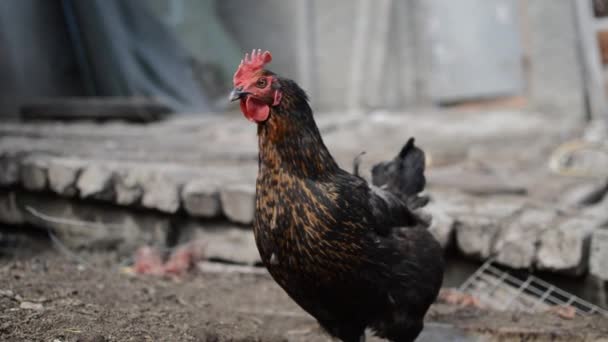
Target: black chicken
x=353 y=255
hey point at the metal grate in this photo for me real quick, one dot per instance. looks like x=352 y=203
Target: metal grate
x=502 y=290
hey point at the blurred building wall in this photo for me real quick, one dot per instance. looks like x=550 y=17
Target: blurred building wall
x=348 y=55
x=36 y=57
x=491 y=64
x=202 y=32
x=554 y=64
x=128 y=51
x=393 y=67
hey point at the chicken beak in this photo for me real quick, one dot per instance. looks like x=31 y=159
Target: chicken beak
x=237 y=93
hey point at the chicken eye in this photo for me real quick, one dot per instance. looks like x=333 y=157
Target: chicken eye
x=261 y=83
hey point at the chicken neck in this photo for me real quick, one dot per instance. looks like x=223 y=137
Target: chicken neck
x=291 y=142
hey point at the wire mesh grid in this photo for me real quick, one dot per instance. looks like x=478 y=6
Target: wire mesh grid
x=502 y=290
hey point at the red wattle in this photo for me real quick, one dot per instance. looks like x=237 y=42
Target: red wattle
x=255 y=110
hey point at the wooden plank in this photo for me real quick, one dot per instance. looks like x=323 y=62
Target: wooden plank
x=602 y=41
x=131 y=109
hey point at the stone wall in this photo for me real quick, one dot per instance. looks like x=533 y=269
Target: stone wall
x=189 y=177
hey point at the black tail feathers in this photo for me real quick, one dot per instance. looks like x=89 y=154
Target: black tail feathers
x=404 y=175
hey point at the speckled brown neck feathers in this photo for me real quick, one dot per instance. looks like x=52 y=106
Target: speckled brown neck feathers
x=290 y=140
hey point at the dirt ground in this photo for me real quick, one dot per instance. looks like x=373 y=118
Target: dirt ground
x=49 y=298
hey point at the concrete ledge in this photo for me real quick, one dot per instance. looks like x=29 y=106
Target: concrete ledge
x=205 y=169
x=92 y=225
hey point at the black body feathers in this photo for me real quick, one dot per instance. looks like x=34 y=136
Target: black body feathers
x=351 y=254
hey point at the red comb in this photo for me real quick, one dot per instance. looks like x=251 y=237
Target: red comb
x=251 y=64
